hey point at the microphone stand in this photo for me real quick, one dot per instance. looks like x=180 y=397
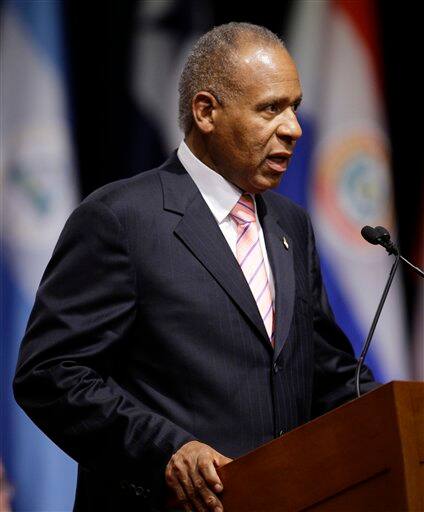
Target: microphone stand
x=374 y=324
x=379 y=235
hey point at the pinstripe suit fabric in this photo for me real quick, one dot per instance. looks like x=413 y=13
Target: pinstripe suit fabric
x=144 y=335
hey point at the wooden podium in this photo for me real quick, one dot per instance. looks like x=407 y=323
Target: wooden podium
x=367 y=455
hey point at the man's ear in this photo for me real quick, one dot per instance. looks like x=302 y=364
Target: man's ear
x=204 y=107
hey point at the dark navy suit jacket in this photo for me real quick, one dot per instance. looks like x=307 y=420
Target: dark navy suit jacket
x=145 y=335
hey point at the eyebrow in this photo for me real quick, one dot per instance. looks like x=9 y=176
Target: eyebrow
x=279 y=100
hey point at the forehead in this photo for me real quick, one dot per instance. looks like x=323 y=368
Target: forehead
x=267 y=71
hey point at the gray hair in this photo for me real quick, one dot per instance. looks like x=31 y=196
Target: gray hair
x=210 y=65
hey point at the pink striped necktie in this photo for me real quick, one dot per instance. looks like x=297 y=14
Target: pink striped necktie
x=251 y=260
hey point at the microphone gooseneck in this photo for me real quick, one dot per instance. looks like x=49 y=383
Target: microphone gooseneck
x=374 y=325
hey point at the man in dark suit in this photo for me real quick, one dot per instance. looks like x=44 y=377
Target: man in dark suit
x=182 y=320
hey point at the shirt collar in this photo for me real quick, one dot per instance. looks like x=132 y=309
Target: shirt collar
x=220 y=195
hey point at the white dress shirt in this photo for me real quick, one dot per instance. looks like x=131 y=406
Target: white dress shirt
x=221 y=196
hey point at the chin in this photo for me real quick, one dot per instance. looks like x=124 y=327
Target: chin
x=268 y=183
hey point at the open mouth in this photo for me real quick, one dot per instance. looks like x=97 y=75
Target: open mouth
x=277 y=163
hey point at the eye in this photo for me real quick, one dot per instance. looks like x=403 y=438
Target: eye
x=272 y=108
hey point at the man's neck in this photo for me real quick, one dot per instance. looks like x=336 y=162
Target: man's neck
x=198 y=147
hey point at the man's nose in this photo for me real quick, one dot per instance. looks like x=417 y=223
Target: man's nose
x=289 y=126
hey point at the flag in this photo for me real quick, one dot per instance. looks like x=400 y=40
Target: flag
x=38 y=193
x=341 y=170
x=162 y=40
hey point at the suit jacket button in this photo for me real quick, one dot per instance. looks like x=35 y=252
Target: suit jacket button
x=276 y=368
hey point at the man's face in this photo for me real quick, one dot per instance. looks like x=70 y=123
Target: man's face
x=255 y=133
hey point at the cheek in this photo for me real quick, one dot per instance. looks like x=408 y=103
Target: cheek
x=251 y=141
x=244 y=140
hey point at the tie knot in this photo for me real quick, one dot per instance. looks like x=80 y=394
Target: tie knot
x=244 y=210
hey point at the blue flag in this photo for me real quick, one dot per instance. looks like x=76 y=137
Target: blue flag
x=39 y=192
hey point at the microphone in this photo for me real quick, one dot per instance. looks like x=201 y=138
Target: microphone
x=370 y=235
x=380 y=236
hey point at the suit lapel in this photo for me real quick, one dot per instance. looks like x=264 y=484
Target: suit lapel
x=199 y=231
x=280 y=256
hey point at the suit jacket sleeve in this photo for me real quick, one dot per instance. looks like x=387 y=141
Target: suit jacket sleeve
x=84 y=311
x=334 y=359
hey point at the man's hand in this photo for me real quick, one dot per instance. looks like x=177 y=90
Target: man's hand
x=192 y=475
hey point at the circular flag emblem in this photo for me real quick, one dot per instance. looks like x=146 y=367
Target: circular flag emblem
x=351 y=185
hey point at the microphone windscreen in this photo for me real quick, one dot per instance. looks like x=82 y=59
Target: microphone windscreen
x=382 y=234
x=370 y=235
